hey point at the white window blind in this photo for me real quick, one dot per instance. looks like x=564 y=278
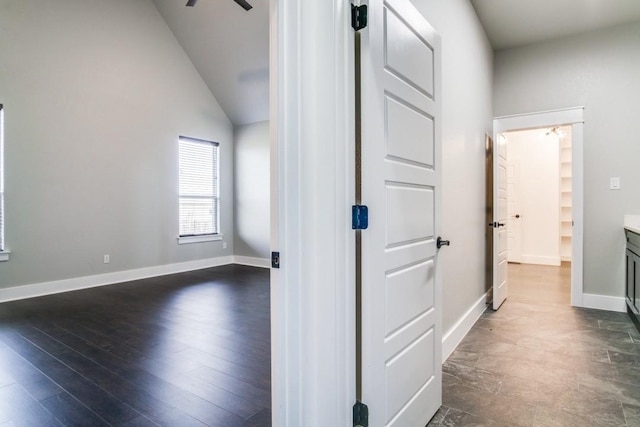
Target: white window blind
x=2 y=248
x=199 y=201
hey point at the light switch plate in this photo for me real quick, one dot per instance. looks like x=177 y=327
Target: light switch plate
x=614 y=183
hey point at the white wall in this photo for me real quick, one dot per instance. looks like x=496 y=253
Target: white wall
x=467 y=61
x=95 y=95
x=251 y=190
x=600 y=72
x=536 y=156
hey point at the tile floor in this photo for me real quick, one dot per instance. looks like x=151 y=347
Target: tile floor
x=539 y=362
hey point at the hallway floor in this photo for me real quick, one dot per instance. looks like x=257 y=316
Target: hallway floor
x=539 y=362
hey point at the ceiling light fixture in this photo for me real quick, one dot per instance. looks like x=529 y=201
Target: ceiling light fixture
x=555 y=130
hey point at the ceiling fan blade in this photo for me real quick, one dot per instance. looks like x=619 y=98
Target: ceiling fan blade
x=191 y=3
x=244 y=4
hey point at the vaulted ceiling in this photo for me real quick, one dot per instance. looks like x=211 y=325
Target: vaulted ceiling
x=230 y=49
x=230 y=46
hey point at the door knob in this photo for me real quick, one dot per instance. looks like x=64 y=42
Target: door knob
x=440 y=243
x=517 y=215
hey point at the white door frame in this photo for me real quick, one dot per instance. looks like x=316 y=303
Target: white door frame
x=312 y=190
x=512 y=222
x=575 y=118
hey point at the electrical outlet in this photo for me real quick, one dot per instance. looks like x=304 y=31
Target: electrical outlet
x=107 y=259
x=224 y=245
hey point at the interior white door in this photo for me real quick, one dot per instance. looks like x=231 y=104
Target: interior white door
x=514 y=215
x=401 y=175
x=499 y=221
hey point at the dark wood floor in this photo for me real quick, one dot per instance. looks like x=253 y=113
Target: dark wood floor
x=181 y=350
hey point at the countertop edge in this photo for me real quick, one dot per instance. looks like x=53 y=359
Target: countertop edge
x=632 y=229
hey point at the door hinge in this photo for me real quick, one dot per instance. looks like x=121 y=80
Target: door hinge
x=275 y=259
x=360 y=415
x=359 y=217
x=358 y=16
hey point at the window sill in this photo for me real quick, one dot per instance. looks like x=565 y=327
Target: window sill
x=4 y=256
x=184 y=240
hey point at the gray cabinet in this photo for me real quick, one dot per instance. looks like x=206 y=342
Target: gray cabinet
x=631 y=272
x=633 y=276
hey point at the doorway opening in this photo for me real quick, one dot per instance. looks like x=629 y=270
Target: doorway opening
x=545 y=156
x=539 y=213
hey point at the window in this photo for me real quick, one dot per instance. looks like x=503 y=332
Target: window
x=4 y=255
x=199 y=202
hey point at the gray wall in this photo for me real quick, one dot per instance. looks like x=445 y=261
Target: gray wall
x=467 y=60
x=95 y=95
x=251 y=190
x=600 y=72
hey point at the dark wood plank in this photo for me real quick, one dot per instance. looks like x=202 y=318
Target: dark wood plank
x=189 y=349
x=260 y=376
x=18 y=406
x=96 y=399
x=261 y=419
x=140 y=422
x=71 y=412
x=33 y=380
x=153 y=409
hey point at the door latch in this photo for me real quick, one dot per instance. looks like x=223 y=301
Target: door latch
x=440 y=243
x=275 y=259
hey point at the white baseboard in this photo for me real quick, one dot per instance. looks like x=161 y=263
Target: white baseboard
x=66 y=285
x=252 y=262
x=541 y=260
x=604 y=302
x=454 y=336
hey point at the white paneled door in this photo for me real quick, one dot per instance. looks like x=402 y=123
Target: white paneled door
x=499 y=222
x=401 y=175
